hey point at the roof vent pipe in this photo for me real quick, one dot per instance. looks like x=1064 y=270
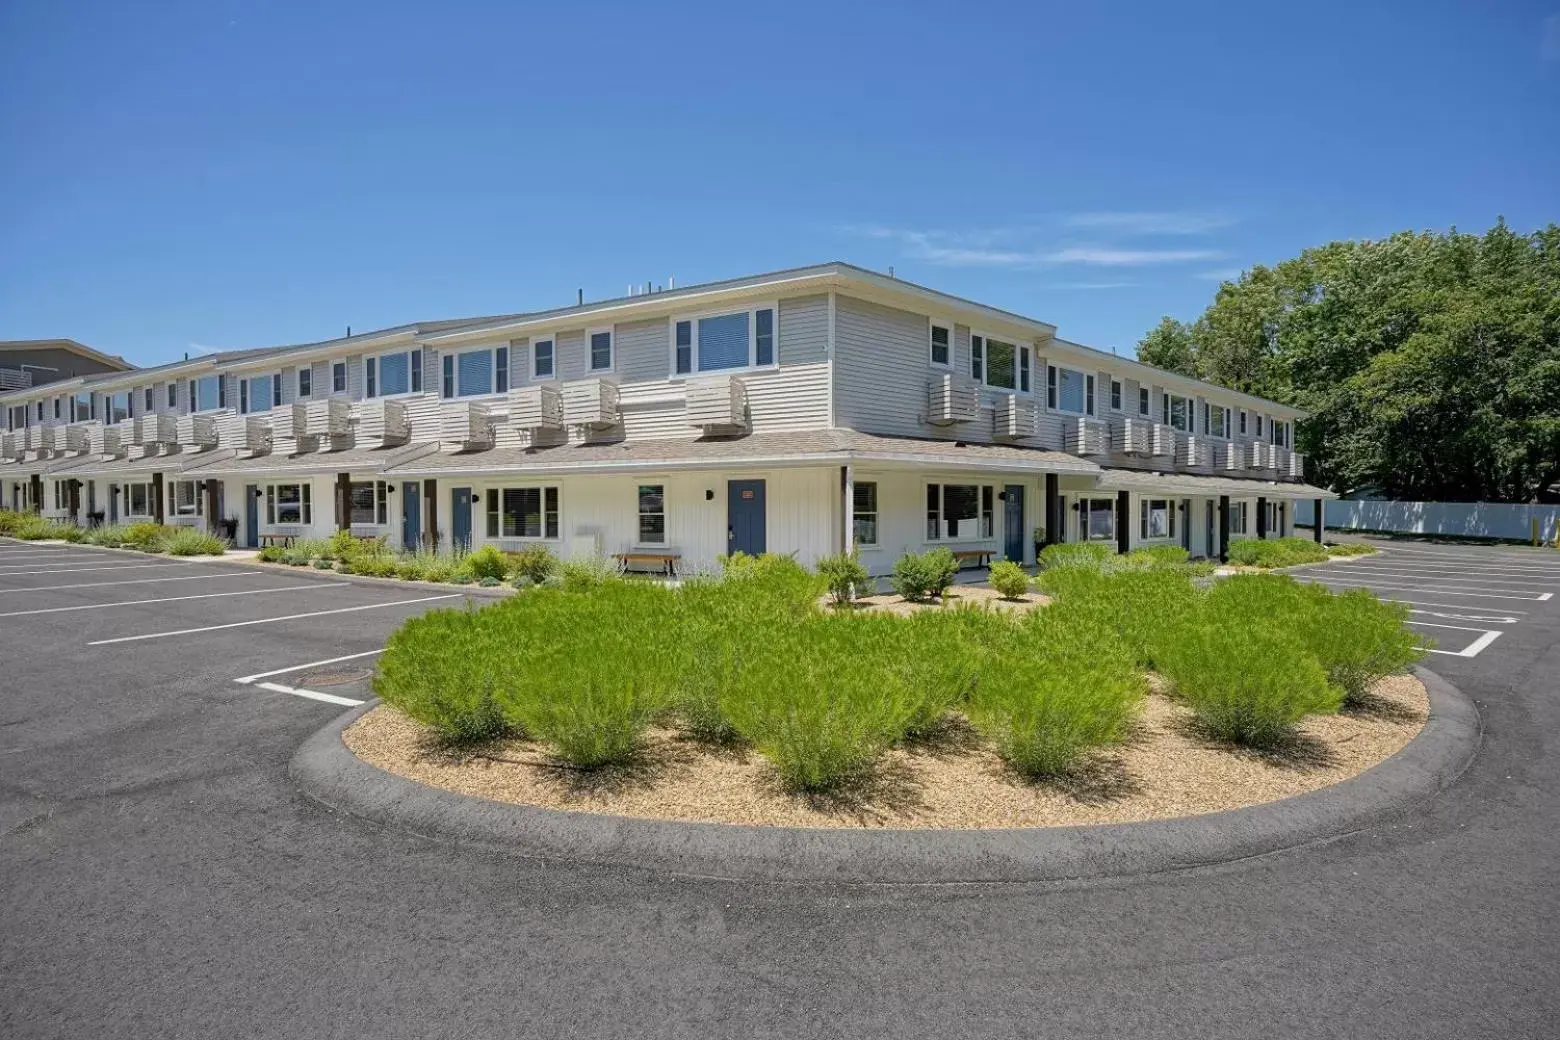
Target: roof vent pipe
x=647 y=288
x=579 y=297
x=671 y=281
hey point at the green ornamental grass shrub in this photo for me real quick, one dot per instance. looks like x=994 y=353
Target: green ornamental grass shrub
x=271 y=554
x=486 y=562
x=9 y=519
x=845 y=577
x=584 y=573
x=439 y=669
x=323 y=565
x=918 y=577
x=147 y=537
x=1009 y=579
x=1070 y=554
x=534 y=562
x=1350 y=549
x=1158 y=556
x=187 y=541
x=1275 y=552
x=106 y=535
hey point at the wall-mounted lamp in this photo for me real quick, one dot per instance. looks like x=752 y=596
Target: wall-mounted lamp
x=709 y=495
x=1001 y=496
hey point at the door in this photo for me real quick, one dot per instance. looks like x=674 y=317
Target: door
x=411 y=515
x=113 y=503
x=252 y=515
x=460 y=519
x=745 y=517
x=1013 y=522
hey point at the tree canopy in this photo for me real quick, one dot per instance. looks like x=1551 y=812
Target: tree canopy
x=1430 y=363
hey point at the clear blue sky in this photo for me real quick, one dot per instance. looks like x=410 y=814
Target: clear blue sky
x=218 y=173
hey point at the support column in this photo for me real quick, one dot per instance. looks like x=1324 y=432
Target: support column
x=75 y=503
x=157 y=496
x=431 y=510
x=1123 y=521
x=848 y=499
x=1224 y=528
x=35 y=492
x=1316 y=529
x=213 y=521
x=1262 y=518
x=343 y=501
x=1053 y=509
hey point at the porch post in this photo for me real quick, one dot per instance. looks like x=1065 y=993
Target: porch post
x=208 y=488
x=1262 y=518
x=1224 y=528
x=157 y=497
x=1316 y=530
x=1053 y=509
x=1123 y=521
x=431 y=510
x=75 y=502
x=343 y=501
x=848 y=490
x=35 y=492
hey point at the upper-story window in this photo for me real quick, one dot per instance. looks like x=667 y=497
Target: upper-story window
x=1068 y=390
x=1144 y=406
x=389 y=375
x=118 y=407
x=473 y=373
x=1176 y=411
x=1259 y=426
x=151 y=401
x=260 y=393
x=1216 y=420
x=338 y=377
x=999 y=364
x=723 y=342
x=305 y=382
x=1280 y=433
x=599 y=344
x=1115 y=395
x=82 y=407
x=942 y=346
x=57 y=409
x=207 y=394
x=542 y=359
x=173 y=394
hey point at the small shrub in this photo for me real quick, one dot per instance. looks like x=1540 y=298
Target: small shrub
x=271 y=554
x=845 y=577
x=9 y=520
x=1009 y=579
x=106 y=535
x=1070 y=554
x=322 y=565
x=486 y=562
x=410 y=568
x=522 y=582
x=584 y=573
x=1275 y=552
x=187 y=541
x=461 y=578
x=1349 y=549
x=1357 y=638
x=535 y=562
x=489 y=582
x=72 y=533
x=438 y=669
x=147 y=537
x=1158 y=556
x=33 y=528
x=920 y=576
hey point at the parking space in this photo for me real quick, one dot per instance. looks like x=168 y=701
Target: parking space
x=1465 y=598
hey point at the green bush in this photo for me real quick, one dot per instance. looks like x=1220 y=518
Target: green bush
x=31 y=527
x=1349 y=549
x=322 y=565
x=145 y=536
x=584 y=573
x=106 y=535
x=535 y=562
x=1071 y=554
x=187 y=541
x=1158 y=556
x=271 y=554
x=486 y=562
x=439 y=669
x=918 y=577
x=1057 y=689
x=1356 y=638
x=1142 y=607
x=9 y=520
x=1275 y=552
x=845 y=577
x=489 y=582
x=371 y=566
x=1009 y=579
x=72 y=533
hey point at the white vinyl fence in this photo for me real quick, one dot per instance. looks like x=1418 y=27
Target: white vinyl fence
x=1467 y=519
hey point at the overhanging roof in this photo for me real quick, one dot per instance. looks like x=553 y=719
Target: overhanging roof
x=310 y=463
x=1194 y=484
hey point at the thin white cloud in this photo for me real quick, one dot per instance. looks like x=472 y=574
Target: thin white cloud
x=1090 y=285
x=1129 y=257
x=1141 y=223
x=1549 y=40
x=977 y=250
x=1224 y=274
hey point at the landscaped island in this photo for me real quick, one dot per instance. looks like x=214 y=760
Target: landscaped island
x=1141 y=690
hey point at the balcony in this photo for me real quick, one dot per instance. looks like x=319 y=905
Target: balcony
x=285 y=420
x=33 y=438
x=196 y=431
x=1130 y=436
x=718 y=405
x=158 y=430
x=383 y=423
x=1295 y=470
x=12 y=445
x=72 y=438
x=1085 y=436
x=1013 y=418
x=952 y=398
x=467 y=423
x=533 y=408
x=255 y=435
x=1192 y=451
x=329 y=417
x=104 y=439
x=1227 y=456
x=1050 y=432
x=592 y=403
x=1163 y=442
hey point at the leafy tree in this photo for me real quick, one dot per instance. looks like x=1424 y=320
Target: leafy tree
x=1430 y=362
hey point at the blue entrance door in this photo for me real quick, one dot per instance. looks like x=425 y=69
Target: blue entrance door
x=411 y=515
x=461 y=519
x=745 y=517
x=252 y=515
x=1013 y=532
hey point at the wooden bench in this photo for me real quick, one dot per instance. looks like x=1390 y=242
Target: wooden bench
x=982 y=557
x=285 y=539
x=665 y=562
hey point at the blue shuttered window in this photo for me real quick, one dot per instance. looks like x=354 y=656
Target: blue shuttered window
x=542 y=358
x=395 y=375
x=600 y=351
x=260 y=396
x=684 y=361
x=723 y=342
x=476 y=373
x=501 y=370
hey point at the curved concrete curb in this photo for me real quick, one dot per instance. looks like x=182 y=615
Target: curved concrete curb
x=332 y=775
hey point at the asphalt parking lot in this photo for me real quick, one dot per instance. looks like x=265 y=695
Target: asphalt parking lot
x=162 y=877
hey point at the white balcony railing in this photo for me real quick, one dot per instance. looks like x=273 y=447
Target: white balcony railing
x=1130 y=436
x=1013 y=417
x=1086 y=436
x=383 y=423
x=197 y=431
x=1163 y=441
x=327 y=417
x=1192 y=451
x=717 y=404
x=537 y=407
x=952 y=398
x=592 y=403
x=467 y=423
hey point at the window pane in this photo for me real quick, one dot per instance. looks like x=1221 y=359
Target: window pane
x=363 y=511
x=723 y=342
x=683 y=341
x=501 y=370
x=394 y=375
x=866 y=496
x=940 y=349
x=544 y=357
x=260 y=393
x=764 y=334
x=1001 y=364
x=1072 y=390
x=961 y=510
x=522 y=513
x=417 y=371
x=652 y=514
x=338 y=378
x=550 y=513
x=600 y=351
x=1178 y=413
x=476 y=373
x=1102 y=514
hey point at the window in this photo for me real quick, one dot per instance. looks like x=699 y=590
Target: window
x=367 y=503
x=542 y=359
x=1115 y=395
x=1177 y=412
x=61 y=495
x=978 y=358
x=600 y=342
x=1006 y=365
x=1070 y=391
x=338 y=377
x=865 y=512
x=1143 y=402
x=151 y=402
x=287 y=504
x=1238 y=517
x=1280 y=433
x=1218 y=421
x=207 y=394
x=1259 y=426
x=173 y=395
x=1243 y=423
x=942 y=346
x=184 y=496
x=652 y=514
x=82 y=406
x=959 y=512
x=40 y=409
x=118 y=407
x=138 y=499
x=723 y=342
x=1156 y=519
x=522 y=512
x=476 y=372
x=390 y=375
x=1097 y=519
x=265 y=392
x=305 y=382
x=56 y=407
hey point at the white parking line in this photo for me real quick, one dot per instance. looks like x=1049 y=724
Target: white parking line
x=267 y=621
x=313 y=695
x=311 y=664
x=132 y=581
x=176 y=599
x=6 y=554
x=1472 y=649
x=1443 y=589
x=1486 y=618
x=1536 y=558
x=1453 y=606
x=1422 y=563
x=1458 y=575
x=7 y=573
